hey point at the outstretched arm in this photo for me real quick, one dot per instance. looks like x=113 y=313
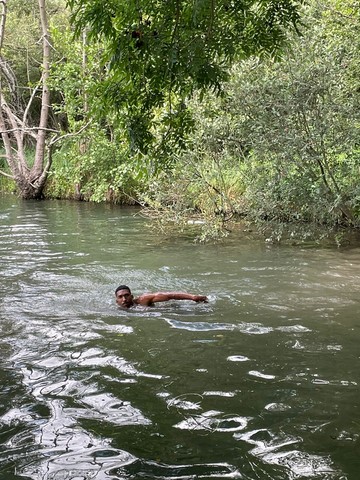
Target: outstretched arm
x=150 y=298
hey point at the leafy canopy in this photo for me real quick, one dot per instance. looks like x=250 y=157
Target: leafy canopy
x=156 y=49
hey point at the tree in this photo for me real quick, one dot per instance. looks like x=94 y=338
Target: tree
x=157 y=53
x=27 y=136
x=281 y=145
x=302 y=118
x=14 y=124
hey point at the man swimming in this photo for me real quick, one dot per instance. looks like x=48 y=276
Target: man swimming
x=125 y=299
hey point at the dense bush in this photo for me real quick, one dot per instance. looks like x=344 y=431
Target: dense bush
x=280 y=146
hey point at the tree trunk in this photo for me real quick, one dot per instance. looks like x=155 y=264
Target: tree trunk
x=30 y=180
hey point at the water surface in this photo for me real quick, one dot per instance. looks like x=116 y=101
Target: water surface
x=262 y=382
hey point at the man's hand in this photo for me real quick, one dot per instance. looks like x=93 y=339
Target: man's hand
x=200 y=298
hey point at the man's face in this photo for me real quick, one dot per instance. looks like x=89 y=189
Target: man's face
x=124 y=298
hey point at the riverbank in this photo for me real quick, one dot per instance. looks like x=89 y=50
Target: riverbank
x=202 y=228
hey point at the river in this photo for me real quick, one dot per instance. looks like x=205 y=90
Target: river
x=260 y=383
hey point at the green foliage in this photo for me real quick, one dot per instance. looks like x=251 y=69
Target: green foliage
x=6 y=184
x=101 y=173
x=286 y=133
x=72 y=78
x=22 y=47
x=302 y=120
x=204 y=190
x=158 y=53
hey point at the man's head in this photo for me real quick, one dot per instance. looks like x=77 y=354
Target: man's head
x=124 y=297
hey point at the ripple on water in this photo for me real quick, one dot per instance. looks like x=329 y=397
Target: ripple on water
x=218 y=393
x=214 y=421
x=293 y=329
x=63 y=388
x=83 y=463
x=191 y=401
x=96 y=357
x=302 y=464
x=271 y=449
x=199 y=326
x=255 y=373
x=247 y=328
x=277 y=407
x=161 y=471
x=187 y=401
x=109 y=408
x=183 y=404
x=254 y=329
x=238 y=358
x=15 y=416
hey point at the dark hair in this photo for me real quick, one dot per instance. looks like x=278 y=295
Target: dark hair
x=122 y=287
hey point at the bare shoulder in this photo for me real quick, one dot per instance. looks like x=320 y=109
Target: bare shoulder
x=145 y=299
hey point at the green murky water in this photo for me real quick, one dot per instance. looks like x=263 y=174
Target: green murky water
x=262 y=382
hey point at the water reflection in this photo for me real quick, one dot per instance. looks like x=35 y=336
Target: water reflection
x=214 y=421
x=298 y=464
x=260 y=383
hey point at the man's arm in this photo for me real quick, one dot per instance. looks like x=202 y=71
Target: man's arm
x=150 y=298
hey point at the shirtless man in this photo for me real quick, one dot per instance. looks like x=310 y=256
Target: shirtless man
x=125 y=299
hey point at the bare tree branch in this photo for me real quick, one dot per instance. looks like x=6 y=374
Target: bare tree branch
x=68 y=135
x=7 y=175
